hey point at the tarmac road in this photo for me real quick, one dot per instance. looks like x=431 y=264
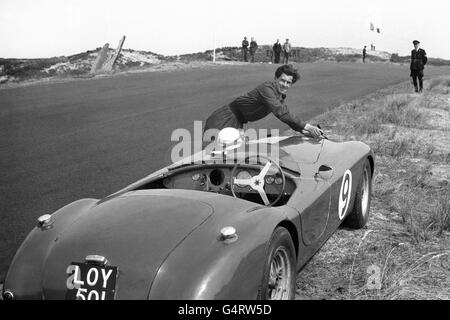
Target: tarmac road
x=88 y=138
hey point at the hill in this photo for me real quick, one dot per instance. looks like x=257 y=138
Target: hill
x=15 y=71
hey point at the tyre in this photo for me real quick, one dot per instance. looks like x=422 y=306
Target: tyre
x=359 y=215
x=279 y=276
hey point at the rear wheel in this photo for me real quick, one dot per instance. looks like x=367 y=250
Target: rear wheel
x=359 y=216
x=278 y=282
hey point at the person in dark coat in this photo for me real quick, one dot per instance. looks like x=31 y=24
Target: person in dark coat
x=364 y=54
x=277 y=51
x=244 y=49
x=253 y=48
x=418 y=61
x=268 y=97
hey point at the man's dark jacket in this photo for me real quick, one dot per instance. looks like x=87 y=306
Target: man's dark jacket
x=244 y=44
x=253 y=46
x=418 y=60
x=277 y=47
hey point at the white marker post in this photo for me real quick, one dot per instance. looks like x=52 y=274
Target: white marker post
x=214 y=48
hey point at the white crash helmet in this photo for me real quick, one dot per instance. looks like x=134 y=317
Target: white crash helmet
x=229 y=136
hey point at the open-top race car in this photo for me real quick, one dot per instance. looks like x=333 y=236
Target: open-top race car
x=226 y=223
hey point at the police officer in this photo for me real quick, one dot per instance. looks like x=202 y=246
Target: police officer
x=418 y=61
x=268 y=97
x=244 y=49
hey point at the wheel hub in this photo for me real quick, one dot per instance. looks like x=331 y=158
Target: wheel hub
x=279 y=278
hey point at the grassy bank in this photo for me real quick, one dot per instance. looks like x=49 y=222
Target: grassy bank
x=404 y=252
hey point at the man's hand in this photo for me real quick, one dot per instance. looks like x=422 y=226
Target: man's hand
x=313 y=130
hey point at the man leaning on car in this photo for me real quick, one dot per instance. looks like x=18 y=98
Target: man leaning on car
x=268 y=97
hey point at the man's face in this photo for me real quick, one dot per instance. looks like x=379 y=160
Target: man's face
x=416 y=45
x=284 y=82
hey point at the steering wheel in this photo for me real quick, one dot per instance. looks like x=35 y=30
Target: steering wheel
x=257 y=182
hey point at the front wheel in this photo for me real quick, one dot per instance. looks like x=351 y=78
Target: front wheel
x=359 y=216
x=278 y=282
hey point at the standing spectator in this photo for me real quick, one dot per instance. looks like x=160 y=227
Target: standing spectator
x=286 y=51
x=253 y=48
x=244 y=49
x=277 y=51
x=418 y=61
x=364 y=54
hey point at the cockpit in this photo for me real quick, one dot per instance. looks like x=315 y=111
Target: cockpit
x=228 y=169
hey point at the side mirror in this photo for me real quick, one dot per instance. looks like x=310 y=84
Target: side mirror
x=325 y=172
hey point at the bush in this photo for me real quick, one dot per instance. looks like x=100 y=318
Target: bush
x=395 y=58
x=348 y=57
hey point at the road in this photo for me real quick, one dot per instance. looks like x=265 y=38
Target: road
x=88 y=138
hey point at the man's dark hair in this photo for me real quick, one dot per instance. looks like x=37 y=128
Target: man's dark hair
x=289 y=70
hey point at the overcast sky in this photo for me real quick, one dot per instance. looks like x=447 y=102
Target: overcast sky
x=46 y=28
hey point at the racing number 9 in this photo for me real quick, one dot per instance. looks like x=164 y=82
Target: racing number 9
x=345 y=193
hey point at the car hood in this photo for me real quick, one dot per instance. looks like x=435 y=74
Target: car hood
x=136 y=233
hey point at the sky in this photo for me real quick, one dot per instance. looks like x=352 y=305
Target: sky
x=47 y=28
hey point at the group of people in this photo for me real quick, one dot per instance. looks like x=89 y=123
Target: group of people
x=270 y=97
x=245 y=49
x=278 y=49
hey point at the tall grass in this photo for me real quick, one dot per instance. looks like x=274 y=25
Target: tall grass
x=398 y=146
x=411 y=195
x=440 y=85
x=424 y=210
x=399 y=111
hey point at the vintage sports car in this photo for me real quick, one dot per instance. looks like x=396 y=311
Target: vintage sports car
x=202 y=228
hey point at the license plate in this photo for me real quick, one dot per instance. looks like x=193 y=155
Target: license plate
x=88 y=281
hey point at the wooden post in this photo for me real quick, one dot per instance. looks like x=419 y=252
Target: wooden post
x=110 y=63
x=101 y=58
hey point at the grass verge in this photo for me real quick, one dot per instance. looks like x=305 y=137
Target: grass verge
x=404 y=251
